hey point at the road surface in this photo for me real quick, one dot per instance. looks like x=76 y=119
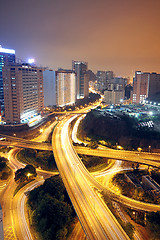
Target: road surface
x=95 y=217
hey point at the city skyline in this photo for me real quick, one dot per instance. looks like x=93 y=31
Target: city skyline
x=110 y=35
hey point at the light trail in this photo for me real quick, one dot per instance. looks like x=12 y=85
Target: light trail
x=96 y=219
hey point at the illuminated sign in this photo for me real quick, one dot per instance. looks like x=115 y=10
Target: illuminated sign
x=31 y=60
x=4 y=50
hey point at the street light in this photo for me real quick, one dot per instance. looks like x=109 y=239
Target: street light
x=29 y=174
x=41 y=130
x=139 y=149
x=149 y=148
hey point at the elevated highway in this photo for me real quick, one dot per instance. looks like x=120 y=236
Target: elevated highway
x=142 y=158
x=95 y=217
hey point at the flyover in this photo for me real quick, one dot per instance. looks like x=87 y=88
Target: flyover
x=143 y=158
x=23 y=143
x=95 y=217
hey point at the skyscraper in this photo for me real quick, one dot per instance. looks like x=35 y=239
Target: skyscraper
x=65 y=87
x=140 y=86
x=23 y=92
x=103 y=78
x=49 y=84
x=82 y=78
x=145 y=85
x=7 y=56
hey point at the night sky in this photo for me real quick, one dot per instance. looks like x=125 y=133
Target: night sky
x=118 y=35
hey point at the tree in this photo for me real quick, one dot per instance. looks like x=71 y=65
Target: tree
x=137 y=167
x=52 y=214
x=4 y=176
x=93 y=144
x=129 y=228
x=2 y=163
x=30 y=169
x=24 y=174
x=153 y=223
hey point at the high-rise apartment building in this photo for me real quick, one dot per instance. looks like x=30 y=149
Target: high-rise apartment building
x=65 y=87
x=82 y=78
x=23 y=92
x=101 y=80
x=7 y=56
x=140 y=86
x=49 y=85
x=154 y=84
x=103 y=77
x=113 y=96
x=116 y=83
x=145 y=85
x=109 y=77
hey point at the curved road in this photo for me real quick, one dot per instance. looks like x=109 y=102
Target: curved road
x=95 y=217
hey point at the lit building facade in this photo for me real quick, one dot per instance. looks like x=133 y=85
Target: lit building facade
x=117 y=83
x=65 y=87
x=113 y=96
x=23 y=92
x=82 y=79
x=140 y=86
x=103 y=78
x=49 y=85
x=7 y=56
x=145 y=85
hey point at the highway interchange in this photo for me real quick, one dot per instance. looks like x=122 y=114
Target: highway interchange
x=96 y=219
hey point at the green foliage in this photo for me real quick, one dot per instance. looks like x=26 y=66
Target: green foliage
x=52 y=209
x=153 y=224
x=129 y=228
x=125 y=187
x=31 y=152
x=93 y=144
x=120 y=128
x=94 y=163
x=43 y=159
x=92 y=98
x=4 y=176
x=2 y=163
x=155 y=174
x=135 y=192
x=24 y=174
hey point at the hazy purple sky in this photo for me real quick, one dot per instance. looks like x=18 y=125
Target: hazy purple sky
x=118 y=35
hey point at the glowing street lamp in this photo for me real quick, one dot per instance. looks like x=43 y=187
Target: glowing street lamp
x=29 y=174
x=139 y=149
x=41 y=130
x=119 y=147
x=149 y=148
